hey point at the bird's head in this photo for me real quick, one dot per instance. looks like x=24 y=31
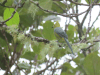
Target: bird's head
x=56 y=25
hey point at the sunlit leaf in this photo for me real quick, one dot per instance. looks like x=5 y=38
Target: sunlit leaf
x=14 y=20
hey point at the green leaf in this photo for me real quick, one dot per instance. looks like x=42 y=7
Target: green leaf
x=48 y=31
x=8 y=13
x=40 y=13
x=49 y=49
x=16 y=71
x=9 y=2
x=67 y=69
x=46 y=4
x=1 y=10
x=56 y=8
x=79 y=60
x=1 y=18
x=19 y=46
x=38 y=47
x=4 y=60
x=59 y=53
x=36 y=33
x=98 y=31
x=37 y=21
x=3 y=42
x=33 y=9
x=1 y=1
x=8 y=36
x=23 y=65
x=60 y=4
x=26 y=20
x=28 y=55
x=70 y=32
x=52 y=47
x=83 y=45
x=91 y=64
x=44 y=51
x=96 y=46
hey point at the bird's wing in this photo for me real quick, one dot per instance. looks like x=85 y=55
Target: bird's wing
x=60 y=32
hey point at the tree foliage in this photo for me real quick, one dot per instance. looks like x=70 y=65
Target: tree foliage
x=21 y=38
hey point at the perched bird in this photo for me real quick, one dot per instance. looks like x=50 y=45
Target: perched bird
x=60 y=33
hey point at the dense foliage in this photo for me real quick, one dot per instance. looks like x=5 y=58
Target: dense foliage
x=22 y=37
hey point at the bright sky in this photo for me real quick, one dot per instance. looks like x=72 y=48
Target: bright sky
x=94 y=14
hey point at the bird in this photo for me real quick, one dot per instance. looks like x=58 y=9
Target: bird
x=60 y=33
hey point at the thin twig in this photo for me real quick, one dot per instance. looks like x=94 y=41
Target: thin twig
x=3 y=4
x=10 y=62
x=7 y=63
x=39 y=72
x=77 y=13
x=60 y=7
x=3 y=32
x=85 y=16
x=20 y=69
x=65 y=15
x=89 y=22
x=95 y=19
x=89 y=28
x=83 y=4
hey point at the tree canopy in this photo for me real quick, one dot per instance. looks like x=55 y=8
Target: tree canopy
x=21 y=37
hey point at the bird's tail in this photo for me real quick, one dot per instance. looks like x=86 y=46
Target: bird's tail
x=69 y=44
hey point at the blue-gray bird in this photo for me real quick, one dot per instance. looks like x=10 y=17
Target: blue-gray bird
x=60 y=33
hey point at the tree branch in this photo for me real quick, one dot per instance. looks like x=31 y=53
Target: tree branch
x=39 y=72
x=83 y=4
x=65 y=15
x=3 y=4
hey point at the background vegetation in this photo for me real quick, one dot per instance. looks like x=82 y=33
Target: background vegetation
x=21 y=37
